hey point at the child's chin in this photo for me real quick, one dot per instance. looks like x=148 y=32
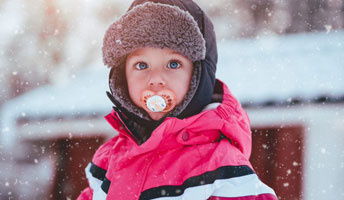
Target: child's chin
x=156 y=115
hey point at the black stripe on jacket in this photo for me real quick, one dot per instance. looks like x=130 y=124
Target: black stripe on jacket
x=99 y=173
x=225 y=172
x=106 y=185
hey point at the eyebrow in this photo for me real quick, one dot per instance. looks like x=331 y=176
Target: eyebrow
x=176 y=52
x=134 y=54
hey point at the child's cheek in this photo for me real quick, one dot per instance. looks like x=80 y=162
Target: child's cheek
x=134 y=92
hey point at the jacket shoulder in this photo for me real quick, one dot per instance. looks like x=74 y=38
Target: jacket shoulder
x=103 y=153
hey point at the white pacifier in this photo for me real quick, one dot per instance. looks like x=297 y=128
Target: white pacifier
x=161 y=101
x=156 y=103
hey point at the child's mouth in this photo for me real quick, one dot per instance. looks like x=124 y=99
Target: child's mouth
x=161 y=101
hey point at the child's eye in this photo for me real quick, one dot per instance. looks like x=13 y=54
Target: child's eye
x=141 y=66
x=173 y=65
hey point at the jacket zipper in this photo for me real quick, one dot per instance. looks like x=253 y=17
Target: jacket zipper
x=131 y=136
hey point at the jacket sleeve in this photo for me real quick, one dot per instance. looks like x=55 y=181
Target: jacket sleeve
x=86 y=194
x=97 y=169
x=247 y=187
x=237 y=127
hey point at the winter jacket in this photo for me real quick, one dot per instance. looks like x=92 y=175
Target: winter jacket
x=205 y=156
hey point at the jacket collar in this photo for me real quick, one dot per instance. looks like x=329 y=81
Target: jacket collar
x=228 y=118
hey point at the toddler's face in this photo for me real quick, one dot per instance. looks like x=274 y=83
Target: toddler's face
x=157 y=69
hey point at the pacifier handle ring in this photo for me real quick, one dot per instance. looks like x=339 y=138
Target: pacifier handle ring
x=163 y=100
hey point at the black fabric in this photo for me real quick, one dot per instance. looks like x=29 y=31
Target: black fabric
x=97 y=172
x=106 y=185
x=225 y=172
x=140 y=128
x=218 y=93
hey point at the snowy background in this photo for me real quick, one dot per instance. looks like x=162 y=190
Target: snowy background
x=270 y=52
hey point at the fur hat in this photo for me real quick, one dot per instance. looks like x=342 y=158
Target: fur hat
x=151 y=25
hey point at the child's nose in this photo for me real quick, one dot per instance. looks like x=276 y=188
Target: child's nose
x=156 y=80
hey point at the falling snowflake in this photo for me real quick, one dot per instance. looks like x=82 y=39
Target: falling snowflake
x=163 y=192
x=328 y=28
x=288 y=171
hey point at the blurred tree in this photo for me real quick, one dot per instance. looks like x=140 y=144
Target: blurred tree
x=249 y=18
x=298 y=10
x=316 y=15
x=32 y=47
x=46 y=41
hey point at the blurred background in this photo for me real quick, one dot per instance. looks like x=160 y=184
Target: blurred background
x=283 y=60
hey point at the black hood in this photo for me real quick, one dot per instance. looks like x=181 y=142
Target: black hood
x=204 y=71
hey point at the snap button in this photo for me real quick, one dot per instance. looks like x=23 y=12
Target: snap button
x=185 y=136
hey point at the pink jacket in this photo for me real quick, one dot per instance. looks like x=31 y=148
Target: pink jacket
x=205 y=156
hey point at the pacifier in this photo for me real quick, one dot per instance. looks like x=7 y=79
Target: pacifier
x=161 y=101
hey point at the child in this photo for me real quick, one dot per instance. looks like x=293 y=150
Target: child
x=181 y=133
